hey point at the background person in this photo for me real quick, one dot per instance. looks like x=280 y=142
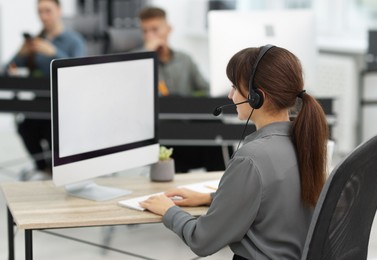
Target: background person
x=179 y=76
x=177 y=72
x=36 y=53
x=265 y=200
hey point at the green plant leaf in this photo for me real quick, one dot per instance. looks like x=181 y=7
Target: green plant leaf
x=165 y=153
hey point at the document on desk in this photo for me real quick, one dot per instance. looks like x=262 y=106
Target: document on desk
x=204 y=187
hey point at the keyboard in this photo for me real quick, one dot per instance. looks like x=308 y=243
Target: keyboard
x=204 y=187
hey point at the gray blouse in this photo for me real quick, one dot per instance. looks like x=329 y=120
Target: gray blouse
x=257 y=209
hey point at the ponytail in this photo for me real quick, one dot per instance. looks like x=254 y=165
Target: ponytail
x=310 y=135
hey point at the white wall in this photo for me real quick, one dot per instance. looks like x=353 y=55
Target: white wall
x=18 y=16
x=13 y=21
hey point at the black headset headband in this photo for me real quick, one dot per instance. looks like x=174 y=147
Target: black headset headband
x=255 y=96
x=262 y=52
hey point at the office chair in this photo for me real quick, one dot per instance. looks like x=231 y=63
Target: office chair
x=344 y=214
x=92 y=28
x=123 y=39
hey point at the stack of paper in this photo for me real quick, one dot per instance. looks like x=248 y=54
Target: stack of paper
x=204 y=187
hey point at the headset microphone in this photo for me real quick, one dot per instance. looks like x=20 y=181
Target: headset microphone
x=218 y=110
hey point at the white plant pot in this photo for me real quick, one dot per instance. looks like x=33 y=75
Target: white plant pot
x=163 y=170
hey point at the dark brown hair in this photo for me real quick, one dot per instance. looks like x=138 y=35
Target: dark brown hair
x=151 y=12
x=279 y=76
x=57 y=2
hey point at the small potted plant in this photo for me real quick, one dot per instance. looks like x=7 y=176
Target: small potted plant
x=164 y=169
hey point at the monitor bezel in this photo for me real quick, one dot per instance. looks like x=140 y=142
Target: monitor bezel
x=82 y=61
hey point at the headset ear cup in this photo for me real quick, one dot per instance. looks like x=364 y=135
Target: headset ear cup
x=256 y=99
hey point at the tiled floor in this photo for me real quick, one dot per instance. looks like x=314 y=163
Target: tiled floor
x=152 y=241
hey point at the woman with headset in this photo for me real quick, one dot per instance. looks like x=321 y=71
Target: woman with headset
x=264 y=203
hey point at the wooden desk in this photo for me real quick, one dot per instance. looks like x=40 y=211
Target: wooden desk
x=42 y=205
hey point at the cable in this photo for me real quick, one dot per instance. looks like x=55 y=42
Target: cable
x=243 y=133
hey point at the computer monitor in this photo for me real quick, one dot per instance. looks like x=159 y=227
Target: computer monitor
x=104 y=119
x=231 y=31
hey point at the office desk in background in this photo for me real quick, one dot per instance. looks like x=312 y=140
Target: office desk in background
x=29 y=96
x=41 y=205
x=181 y=119
x=185 y=123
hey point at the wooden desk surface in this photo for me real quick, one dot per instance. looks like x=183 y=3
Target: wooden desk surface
x=40 y=204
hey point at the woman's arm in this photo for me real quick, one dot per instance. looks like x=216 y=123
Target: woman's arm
x=233 y=209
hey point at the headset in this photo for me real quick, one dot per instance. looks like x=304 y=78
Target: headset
x=255 y=97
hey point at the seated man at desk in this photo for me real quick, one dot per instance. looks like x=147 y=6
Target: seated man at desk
x=178 y=75
x=36 y=53
x=177 y=72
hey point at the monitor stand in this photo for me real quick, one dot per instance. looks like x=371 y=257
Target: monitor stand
x=92 y=191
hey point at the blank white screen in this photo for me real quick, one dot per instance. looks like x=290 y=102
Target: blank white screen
x=232 y=31
x=105 y=105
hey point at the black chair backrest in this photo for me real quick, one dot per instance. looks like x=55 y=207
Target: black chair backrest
x=344 y=214
x=123 y=40
x=92 y=28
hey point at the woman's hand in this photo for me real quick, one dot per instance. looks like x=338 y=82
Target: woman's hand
x=158 y=204
x=181 y=197
x=153 y=44
x=189 y=198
